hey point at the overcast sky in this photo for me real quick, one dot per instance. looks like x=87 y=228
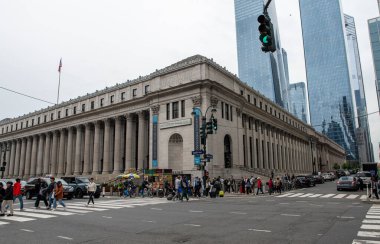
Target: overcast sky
x=107 y=42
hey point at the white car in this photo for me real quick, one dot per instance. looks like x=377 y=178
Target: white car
x=365 y=176
x=327 y=177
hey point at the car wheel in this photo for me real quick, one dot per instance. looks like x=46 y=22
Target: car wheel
x=79 y=194
x=28 y=195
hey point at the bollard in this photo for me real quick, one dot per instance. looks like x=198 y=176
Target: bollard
x=111 y=191
x=104 y=191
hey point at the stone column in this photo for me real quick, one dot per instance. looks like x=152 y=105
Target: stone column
x=7 y=158
x=46 y=154
x=69 y=156
x=141 y=142
x=22 y=159
x=54 y=154
x=12 y=160
x=117 y=146
x=87 y=149
x=95 y=163
x=17 y=158
x=107 y=146
x=61 y=154
x=78 y=144
x=128 y=142
x=40 y=155
x=28 y=157
x=33 y=164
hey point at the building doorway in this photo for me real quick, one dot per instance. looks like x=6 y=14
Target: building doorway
x=175 y=152
x=227 y=152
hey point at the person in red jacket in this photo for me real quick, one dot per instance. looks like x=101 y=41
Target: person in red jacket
x=259 y=186
x=17 y=194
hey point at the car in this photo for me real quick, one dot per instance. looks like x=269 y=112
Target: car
x=340 y=173
x=311 y=180
x=319 y=179
x=365 y=176
x=302 y=181
x=328 y=177
x=80 y=186
x=347 y=183
x=68 y=191
x=22 y=182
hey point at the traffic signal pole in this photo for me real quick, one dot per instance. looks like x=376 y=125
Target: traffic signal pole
x=267 y=6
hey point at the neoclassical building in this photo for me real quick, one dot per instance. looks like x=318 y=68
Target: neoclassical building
x=153 y=122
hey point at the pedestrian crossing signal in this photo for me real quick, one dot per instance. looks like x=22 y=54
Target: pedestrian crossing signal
x=266 y=33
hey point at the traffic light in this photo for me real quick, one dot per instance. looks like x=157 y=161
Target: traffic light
x=209 y=128
x=203 y=135
x=266 y=33
x=214 y=124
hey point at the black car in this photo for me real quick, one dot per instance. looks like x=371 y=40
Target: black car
x=311 y=180
x=80 y=186
x=302 y=181
x=30 y=192
x=319 y=179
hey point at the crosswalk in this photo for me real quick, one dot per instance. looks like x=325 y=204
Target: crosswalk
x=75 y=208
x=369 y=232
x=323 y=196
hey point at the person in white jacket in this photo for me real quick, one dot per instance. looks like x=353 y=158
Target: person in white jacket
x=91 y=188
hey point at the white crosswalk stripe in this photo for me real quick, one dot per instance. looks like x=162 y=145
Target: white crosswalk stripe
x=327 y=195
x=3 y=223
x=369 y=232
x=316 y=195
x=324 y=196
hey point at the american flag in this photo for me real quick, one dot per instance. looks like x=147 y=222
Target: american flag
x=60 y=65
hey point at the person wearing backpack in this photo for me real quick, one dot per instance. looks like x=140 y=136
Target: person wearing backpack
x=41 y=194
x=7 y=199
x=50 y=191
x=185 y=188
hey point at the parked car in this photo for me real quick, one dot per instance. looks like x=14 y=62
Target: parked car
x=22 y=182
x=302 y=181
x=328 y=176
x=339 y=173
x=365 y=176
x=319 y=179
x=347 y=183
x=68 y=191
x=311 y=180
x=80 y=186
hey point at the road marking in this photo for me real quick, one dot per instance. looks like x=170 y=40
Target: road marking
x=291 y=215
x=315 y=195
x=195 y=211
x=27 y=230
x=242 y=213
x=97 y=205
x=65 y=237
x=149 y=221
x=327 y=195
x=370 y=227
x=372 y=216
x=363 y=197
x=375 y=206
x=63 y=213
x=73 y=211
x=340 y=196
x=269 y=200
x=286 y=195
x=193 y=225
x=158 y=209
x=267 y=231
x=365 y=242
x=284 y=203
x=297 y=195
x=371 y=221
x=317 y=205
x=34 y=215
x=302 y=201
x=4 y=223
x=335 y=203
x=369 y=234
x=18 y=219
x=86 y=208
x=352 y=196
x=373 y=212
x=107 y=217
x=308 y=194
x=345 y=217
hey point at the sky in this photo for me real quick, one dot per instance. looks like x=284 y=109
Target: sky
x=107 y=42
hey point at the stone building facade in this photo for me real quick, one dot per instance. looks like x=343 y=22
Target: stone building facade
x=152 y=122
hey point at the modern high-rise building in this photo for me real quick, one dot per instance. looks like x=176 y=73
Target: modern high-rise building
x=363 y=136
x=298 y=100
x=331 y=103
x=265 y=72
x=374 y=33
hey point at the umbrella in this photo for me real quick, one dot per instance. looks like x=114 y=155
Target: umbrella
x=132 y=176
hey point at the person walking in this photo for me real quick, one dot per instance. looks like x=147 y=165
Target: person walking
x=177 y=185
x=278 y=185
x=17 y=194
x=2 y=194
x=197 y=187
x=7 y=199
x=91 y=188
x=361 y=184
x=233 y=184
x=374 y=187
x=50 y=191
x=247 y=186
x=259 y=186
x=41 y=194
x=185 y=189
x=58 y=196
x=270 y=186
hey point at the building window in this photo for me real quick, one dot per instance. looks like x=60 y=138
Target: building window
x=101 y=102
x=222 y=110
x=270 y=109
x=51 y=116
x=254 y=101
x=147 y=89
x=266 y=108
x=122 y=96
x=168 y=111
x=256 y=125
x=134 y=92
x=175 y=111
x=45 y=118
x=241 y=92
x=83 y=107
x=92 y=105
x=27 y=123
x=67 y=112
x=75 y=110
x=227 y=112
x=38 y=120
x=249 y=123
x=59 y=116
x=112 y=99
x=261 y=105
x=231 y=112
x=243 y=120
x=11 y=128
x=249 y=98
x=244 y=151
x=183 y=108
x=22 y=124
x=250 y=151
x=32 y=122
x=275 y=113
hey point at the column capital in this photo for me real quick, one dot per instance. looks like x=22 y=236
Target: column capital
x=107 y=121
x=155 y=109
x=238 y=112
x=142 y=114
x=88 y=124
x=97 y=123
x=214 y=101
x=130 y=116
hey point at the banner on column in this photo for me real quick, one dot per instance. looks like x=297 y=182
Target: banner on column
x=154 y=146
x=197 y=142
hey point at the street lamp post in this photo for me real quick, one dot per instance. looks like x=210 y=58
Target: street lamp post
x=4 y=163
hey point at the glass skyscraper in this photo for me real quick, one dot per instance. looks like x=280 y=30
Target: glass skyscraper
x=331 y=102
x=298 y=100
x=265 y=72
x=363 y=136
x=374 y=32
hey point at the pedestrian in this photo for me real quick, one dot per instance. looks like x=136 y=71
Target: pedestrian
x=17 y=194
x=278 y=185
x=58 y=196
x=242 y=185
x=270 y=186
x=177 y=185
x=41 y=193
x=197 y=187
x=361 y=184
x=7 y=199
x=91 y=188
x=374 y=187
x=50 y=191
x=259 y=186
x=185 y=189
x=166 y=187
x=233 y=184
x=2 y=194
x=247 y=186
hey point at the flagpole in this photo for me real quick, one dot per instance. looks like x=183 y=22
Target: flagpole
x=59 y=85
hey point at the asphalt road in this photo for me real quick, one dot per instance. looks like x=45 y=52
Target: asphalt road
x=314 y=215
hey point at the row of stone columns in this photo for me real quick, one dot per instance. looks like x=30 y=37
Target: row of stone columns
x=99 y=147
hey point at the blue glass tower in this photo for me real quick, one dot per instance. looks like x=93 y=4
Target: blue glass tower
x=298 y=100
x=374 y=32
x=265 y=72
x=330 y=95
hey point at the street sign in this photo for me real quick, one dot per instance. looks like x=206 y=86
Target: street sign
x=2 y=168
x=209 y=156
x=197 y=152
x=197 y=160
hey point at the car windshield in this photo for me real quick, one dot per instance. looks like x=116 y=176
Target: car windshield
x=346 y=178
x=301 y=177
x=83 y=180
x=56 y=180
x=363 y=174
